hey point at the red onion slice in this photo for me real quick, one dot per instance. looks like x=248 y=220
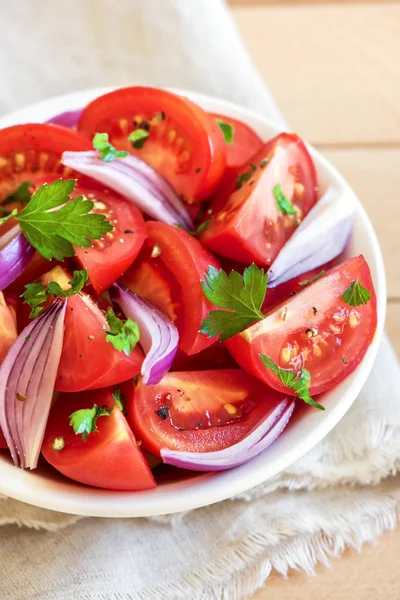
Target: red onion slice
x=252 y=445
x=67 y=119
x=136 y=181
x=159 y=337
x=322 y=236
x=15 y=254
x=27 y=377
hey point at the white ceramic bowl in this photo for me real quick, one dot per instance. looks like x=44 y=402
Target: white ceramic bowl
x=46 y=488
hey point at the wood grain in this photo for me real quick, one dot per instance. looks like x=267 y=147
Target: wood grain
x=334 y=69
x=374 y=174
x=371 y=575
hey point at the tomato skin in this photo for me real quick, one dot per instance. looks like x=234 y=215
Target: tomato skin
x=109 y=459
x=208 y=390
x=87 y=360
x=187 y=260
x=8 y=325
x=186 y=128
x=32 y=150
x=246 y=143
x=250 y=227
x=214 y=357
x=109 y=258
x=343 y=333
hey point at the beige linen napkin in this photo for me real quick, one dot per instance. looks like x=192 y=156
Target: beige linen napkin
x=342 y=493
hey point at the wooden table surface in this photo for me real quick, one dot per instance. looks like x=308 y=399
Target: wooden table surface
x=334 y=69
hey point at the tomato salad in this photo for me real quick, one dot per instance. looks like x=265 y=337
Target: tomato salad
x=169 y=290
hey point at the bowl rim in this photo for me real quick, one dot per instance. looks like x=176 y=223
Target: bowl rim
x=65 y=495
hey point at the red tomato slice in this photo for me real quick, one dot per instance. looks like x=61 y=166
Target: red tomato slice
x=215 y=356
x=8 y=326
x=187 y=260
x=245 y=144
x=111 y=256
x=36 y=267
x=88 y=361
x=315 y=329
x=198 y=411
x=184 y=144
x=283 y=292
x=251 y=227
x=110 y=458
x=27 y=152
x=151 y=279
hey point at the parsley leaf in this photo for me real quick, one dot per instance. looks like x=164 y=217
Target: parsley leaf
x=356 y=294
x=227 y=130
x=245 y=176
x=108 y=152
x=122 y=335
x=37 y=293
x=53 y=232
x=138 y=137
x=119 y=400
x=298 y=382
x=241 y=295
x=84 y=421
x=21 y=194
x=200 y=229
x=8 y=216
x=34 y=295
x=284 y=204
x=307 y=282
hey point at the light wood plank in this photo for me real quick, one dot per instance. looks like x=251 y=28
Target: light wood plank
x=393 y=326
x=371 y=575
x=334 y=69
x=375 y=176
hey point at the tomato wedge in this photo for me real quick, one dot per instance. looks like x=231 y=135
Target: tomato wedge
x=110 y=458
x=246 y=142
x=251 y=227
x=315 y=329
x=198 y=411
x=184 y=143
x=87 y=360
x=28 y=152
x=111 y=256
x=187 y=260
x=8 y=326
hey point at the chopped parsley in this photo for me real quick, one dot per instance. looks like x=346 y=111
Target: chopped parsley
x=108 y=152
x=119 y=400
x=245 y=176
x=54 y=232
x=138 y=137
x=84 y=421
x=227 y=131
x=298 y=382
x=284 y=204
x=240 y=295
x=123 y=335
x=37 y=293
x=307 y=282
x=356 y=294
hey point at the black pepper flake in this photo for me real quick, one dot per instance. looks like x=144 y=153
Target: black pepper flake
x=163 y=412
x=80 y=356
x=128 y=231
x=85 y=252
x=264 y=163
x=28 y=337
x=344 y=359
x=144 y=125
x=314 y=310
x=292 y=294
x=251 y=182
x=163 y=115
x=198 y=170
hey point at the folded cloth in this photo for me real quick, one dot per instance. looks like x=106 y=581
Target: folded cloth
x=340 y=494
